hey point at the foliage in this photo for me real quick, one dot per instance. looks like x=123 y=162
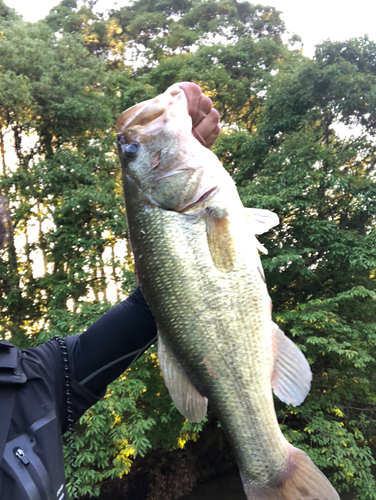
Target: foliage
x=63 y=82
x=136 y=415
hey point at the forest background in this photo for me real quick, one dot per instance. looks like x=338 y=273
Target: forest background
x=63 y=82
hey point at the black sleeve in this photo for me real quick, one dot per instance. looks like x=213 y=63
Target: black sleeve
x=96 y=357
x=106 y=349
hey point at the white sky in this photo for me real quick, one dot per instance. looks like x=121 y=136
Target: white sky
x=314 y=20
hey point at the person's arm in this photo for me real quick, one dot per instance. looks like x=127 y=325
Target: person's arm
x=109 y=346
x=95 y=358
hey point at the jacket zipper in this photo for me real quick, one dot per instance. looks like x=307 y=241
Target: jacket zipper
x=21 y=455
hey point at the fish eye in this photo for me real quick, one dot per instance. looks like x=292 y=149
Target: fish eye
x=130 y=150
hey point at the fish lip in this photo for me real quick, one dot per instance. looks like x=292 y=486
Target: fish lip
x=135 y=115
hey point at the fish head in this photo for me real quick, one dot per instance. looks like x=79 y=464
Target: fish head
x=160 y=157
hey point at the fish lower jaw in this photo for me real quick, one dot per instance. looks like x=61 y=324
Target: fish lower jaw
x=201 y=200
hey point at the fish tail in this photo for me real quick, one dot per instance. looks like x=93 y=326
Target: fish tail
x=301 y=480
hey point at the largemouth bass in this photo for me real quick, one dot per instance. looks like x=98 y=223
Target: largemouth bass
x=197 y=259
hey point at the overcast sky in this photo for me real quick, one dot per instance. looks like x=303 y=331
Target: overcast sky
x=314 y=20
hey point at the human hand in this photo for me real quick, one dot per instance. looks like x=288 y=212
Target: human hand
x=205 y=119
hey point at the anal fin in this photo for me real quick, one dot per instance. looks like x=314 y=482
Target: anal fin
x=190 y=403
x=291 y=379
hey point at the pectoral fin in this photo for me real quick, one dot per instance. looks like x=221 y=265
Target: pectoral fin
x=220 y=240
x=260 y=221
x=190 y=403
x=291 y=380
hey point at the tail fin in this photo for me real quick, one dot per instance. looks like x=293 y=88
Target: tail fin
x=301 y=480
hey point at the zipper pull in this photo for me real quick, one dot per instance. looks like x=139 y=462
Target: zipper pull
x=21 y=455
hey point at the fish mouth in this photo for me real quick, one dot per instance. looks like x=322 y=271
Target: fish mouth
x=140 y=115
x=147 y=118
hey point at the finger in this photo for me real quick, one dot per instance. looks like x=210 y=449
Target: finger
x=205 y=119
x=207 y=128
x=213 y=136
x=210 y=139
x=204 y=107
x=193 y=95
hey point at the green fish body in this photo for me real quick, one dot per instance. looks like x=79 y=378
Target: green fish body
x=197 y=260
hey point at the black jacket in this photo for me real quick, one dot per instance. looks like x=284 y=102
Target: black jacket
x=32 y=467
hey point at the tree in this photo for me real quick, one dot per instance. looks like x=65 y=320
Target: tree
x=51 y=97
